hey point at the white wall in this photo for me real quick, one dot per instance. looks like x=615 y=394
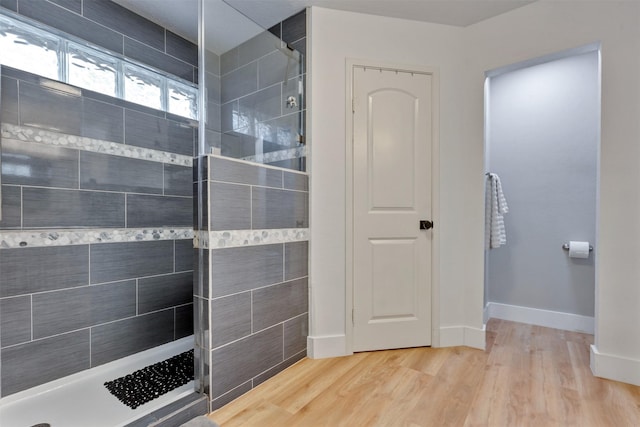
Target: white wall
x=546 y=27
x=334 y=37
x=543 y=125
x=463 y=55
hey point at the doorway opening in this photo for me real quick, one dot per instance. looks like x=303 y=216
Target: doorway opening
x=542 y=139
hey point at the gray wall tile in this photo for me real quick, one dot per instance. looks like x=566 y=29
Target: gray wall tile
x=158 y=211
x=10 y=4
x=301 y=46
x=182 y=49
x=201 y=291
x=15 y=320
x=124 y=21
x=11 y=207
x=9 y=104
x=144 y=130
x=294 y=27
x=118 y=261
x=282 y=132
x=26 y=163
x=296 y=181
x=71 y=23
x=213 y=117
x=203 y=187
x=157 y=293
x=155 y=58
x=230 y=206
x=239 y=82
x=228 y=61
x=28 y=365
x=230 y=396
x=230 y=318
x=183 y=321
x=71 y=309
x=275 y=304
x=295 y=335
x=295 y=164
x=277 y=369
x=263 y=105
x=115 y=173
x=101 y=120
x=296 y=260
x=72 y=5
x=213 y=88
x=125 y=337
x=227 y=113
x=183 y=255
x=212 y=64
x=178 y=180
x=238 y=143
x=257 y=47
x=277 y=67
x=273 y=208
x=238 y=362
x=51 y=109
x=29 y=270
x=240 y=269
x=243 y=173
x=43 y=207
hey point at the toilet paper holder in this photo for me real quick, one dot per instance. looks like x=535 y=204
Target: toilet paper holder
x=566 y=247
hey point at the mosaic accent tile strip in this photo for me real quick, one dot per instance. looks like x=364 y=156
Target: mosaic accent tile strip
x=40 y=238
x=47 y=137
x=274 y=156
x=236 y=238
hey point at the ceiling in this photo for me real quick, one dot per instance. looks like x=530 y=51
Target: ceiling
x=226 y=28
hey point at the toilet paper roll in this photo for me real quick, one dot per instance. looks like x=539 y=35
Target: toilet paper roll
x=578 y=249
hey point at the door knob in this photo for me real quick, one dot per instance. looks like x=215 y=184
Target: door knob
x=425 y=224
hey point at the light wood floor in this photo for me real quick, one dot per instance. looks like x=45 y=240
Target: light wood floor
x=529 y=376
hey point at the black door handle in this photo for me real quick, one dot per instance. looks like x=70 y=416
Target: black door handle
x=425 y=225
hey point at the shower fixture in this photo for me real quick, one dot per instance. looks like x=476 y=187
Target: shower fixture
x=291 y=102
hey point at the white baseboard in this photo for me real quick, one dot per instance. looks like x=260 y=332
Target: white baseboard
x=536 y=316
x=615 y=367
x=451 y=336
x=324 y=346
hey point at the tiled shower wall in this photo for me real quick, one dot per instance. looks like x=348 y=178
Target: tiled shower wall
x=70 y=300
x=95 y=256
x=257 y=78
x=255 y=295
x=117 y=29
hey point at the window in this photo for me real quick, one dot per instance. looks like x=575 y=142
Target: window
x=50 y=55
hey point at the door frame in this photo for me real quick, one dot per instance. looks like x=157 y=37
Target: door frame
x=352 y=63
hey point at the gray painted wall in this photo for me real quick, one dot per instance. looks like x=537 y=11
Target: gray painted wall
x=543 y=143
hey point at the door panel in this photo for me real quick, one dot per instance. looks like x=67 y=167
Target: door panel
x=391 y=194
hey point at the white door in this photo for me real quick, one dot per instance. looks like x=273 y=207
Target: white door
x=392 y=141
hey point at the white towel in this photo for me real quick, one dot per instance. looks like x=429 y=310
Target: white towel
x=495 y=208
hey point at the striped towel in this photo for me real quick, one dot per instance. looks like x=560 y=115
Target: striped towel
x=495 y=208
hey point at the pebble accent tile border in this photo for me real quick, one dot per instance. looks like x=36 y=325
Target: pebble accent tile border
x=40 y=238
x=274 y=156
x=237 y=238
x=47 y=137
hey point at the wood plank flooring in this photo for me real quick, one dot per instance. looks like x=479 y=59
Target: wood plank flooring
x=529 y=376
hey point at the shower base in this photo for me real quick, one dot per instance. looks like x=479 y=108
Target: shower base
x=82 y=400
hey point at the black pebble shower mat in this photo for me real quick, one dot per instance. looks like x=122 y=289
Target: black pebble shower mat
x=153 y=381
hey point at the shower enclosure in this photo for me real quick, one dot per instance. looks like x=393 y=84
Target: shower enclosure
x=113 y=160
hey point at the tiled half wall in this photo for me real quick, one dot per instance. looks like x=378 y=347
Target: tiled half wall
x=96 y=250
x=255 y=293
